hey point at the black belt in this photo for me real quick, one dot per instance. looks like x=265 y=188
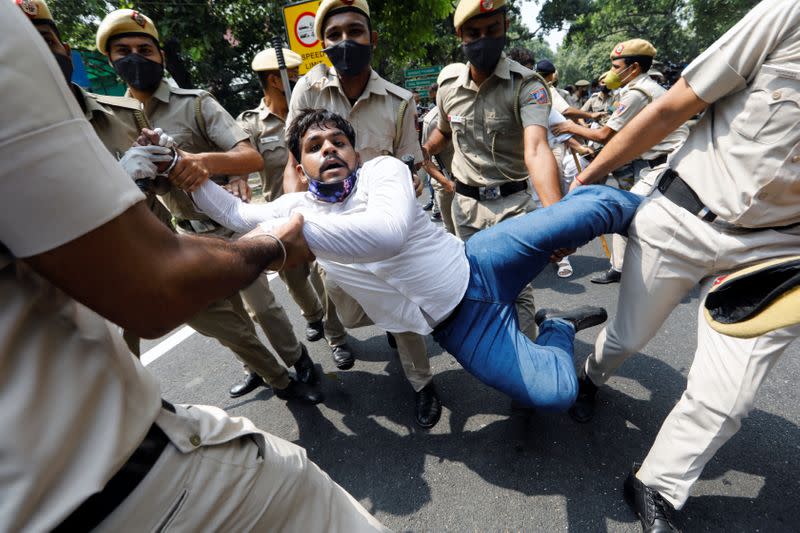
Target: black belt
x=660 y=160
x=101 y=504
x=678 y=192
x=491 y=193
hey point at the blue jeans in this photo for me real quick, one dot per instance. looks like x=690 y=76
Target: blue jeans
x=483 y=331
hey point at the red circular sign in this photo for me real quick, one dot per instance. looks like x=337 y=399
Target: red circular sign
x=304 y=30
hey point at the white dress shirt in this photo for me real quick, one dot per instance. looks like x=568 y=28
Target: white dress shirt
x=378 y=245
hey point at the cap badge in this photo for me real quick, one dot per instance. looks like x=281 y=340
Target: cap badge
x=29 y=7
x=487 y=5
x=138 y=18
x=618 y=50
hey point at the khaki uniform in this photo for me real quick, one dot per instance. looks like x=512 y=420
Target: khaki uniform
x=598 y=103
x=384 y=120
x=199 y=124
x=444 y=199
x=487 y=125
x=267 y=133
x=638 y=94
x=743 y=161
x=76 y=404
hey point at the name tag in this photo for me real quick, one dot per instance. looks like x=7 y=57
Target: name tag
x=456 y=119
x=270 y=139
x=781 y=72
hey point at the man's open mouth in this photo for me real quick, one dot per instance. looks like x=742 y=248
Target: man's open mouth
x=331 y=163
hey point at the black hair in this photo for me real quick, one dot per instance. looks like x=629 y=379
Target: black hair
x=645 y=62
x=523 y=56
x=321 y=118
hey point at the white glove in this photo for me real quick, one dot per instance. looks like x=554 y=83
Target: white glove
x=140 y=161
x=164 y=139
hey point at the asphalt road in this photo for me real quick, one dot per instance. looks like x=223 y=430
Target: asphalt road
x=486 y=468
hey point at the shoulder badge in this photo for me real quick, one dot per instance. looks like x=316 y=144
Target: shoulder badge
x=28 y=7
x=538 y=96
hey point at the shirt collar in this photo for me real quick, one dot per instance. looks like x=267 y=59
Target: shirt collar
x=264 y=112
x=375 y=84
x=91 y=105
x=501 y=70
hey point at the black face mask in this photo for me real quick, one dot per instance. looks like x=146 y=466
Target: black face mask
x=139 y=72
x=349 y=57
x=484 y=53
x=65 y=64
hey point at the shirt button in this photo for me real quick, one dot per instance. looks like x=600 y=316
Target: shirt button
x=195 y=440
x=776 y=95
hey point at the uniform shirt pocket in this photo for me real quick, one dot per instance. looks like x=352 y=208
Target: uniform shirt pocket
x=771 y=111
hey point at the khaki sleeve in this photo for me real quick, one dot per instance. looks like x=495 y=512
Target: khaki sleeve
x=535 y=104
x=443 y=124
x=221 y=127
x=629 y=106
x=299 y=99
x=735 y=58
x=408 y=143
x=587 y=106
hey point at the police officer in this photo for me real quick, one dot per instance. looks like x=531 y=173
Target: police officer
x=203 y=131
x=265 y=125
x=87 y=444
x=599 y=101
x=547 y=70
x=729 y=199
x=495 y=111
x=630 y=62
x=383 y=116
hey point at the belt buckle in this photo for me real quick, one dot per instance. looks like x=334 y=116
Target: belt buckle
x=489 y=193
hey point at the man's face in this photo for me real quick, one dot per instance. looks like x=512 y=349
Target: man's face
x=618 y=66
x=493 y=27
x=347 y=26
x=51 y=39
x=276 y=81
x=326 y=153
x=134 y=44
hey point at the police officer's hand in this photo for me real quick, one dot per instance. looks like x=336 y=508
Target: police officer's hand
x=291 y=236
x=597 y=115
x=190 y=171
x=140 y=161
x=449 y=186
x=240 y=189
x=418 y=185
x=562 y=127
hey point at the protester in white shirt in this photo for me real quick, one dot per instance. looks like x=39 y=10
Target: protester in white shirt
x=372 y=237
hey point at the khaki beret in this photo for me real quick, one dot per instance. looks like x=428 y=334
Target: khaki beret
x=327 y=7
x=124 y=21
x=268 y=60
x=36 y=10
x=755 y=300
x=471 y=8
x=634 y=47
x=582 y=83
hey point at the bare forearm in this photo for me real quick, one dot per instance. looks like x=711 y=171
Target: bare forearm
x=241 y=160
x=434 y=172
x=648 y=128
x=437 y=141
x=543 y=172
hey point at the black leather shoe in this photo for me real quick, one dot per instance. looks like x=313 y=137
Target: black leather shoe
x=428 y=407
x=315 y=331
x=391 y=340
x=299 y=392
x=581 y=317
x=436 y=217
x=609 y=276
x=343 y=358
x=582 y=410
x=428 y=206
x=251 y=382
x=652 y=509
x=304 y=367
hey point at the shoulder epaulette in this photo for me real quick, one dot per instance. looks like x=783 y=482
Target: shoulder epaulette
x=117 y=101
x=403 y=94
x=188 y=92
x=453 y=70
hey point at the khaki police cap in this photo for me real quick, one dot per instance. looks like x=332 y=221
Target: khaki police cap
x=634 y=47
x=582 y=83
x=268 y=60
x=471 y=8
x=36 y=10
x=755 y=300
x=328 y=7
x=123 y=21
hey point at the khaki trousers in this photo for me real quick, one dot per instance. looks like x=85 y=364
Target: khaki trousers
x=308 y=291
x=647 y=178
x=669 y=252
x=237 y=487
x=470 y=216
x=411 y=347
